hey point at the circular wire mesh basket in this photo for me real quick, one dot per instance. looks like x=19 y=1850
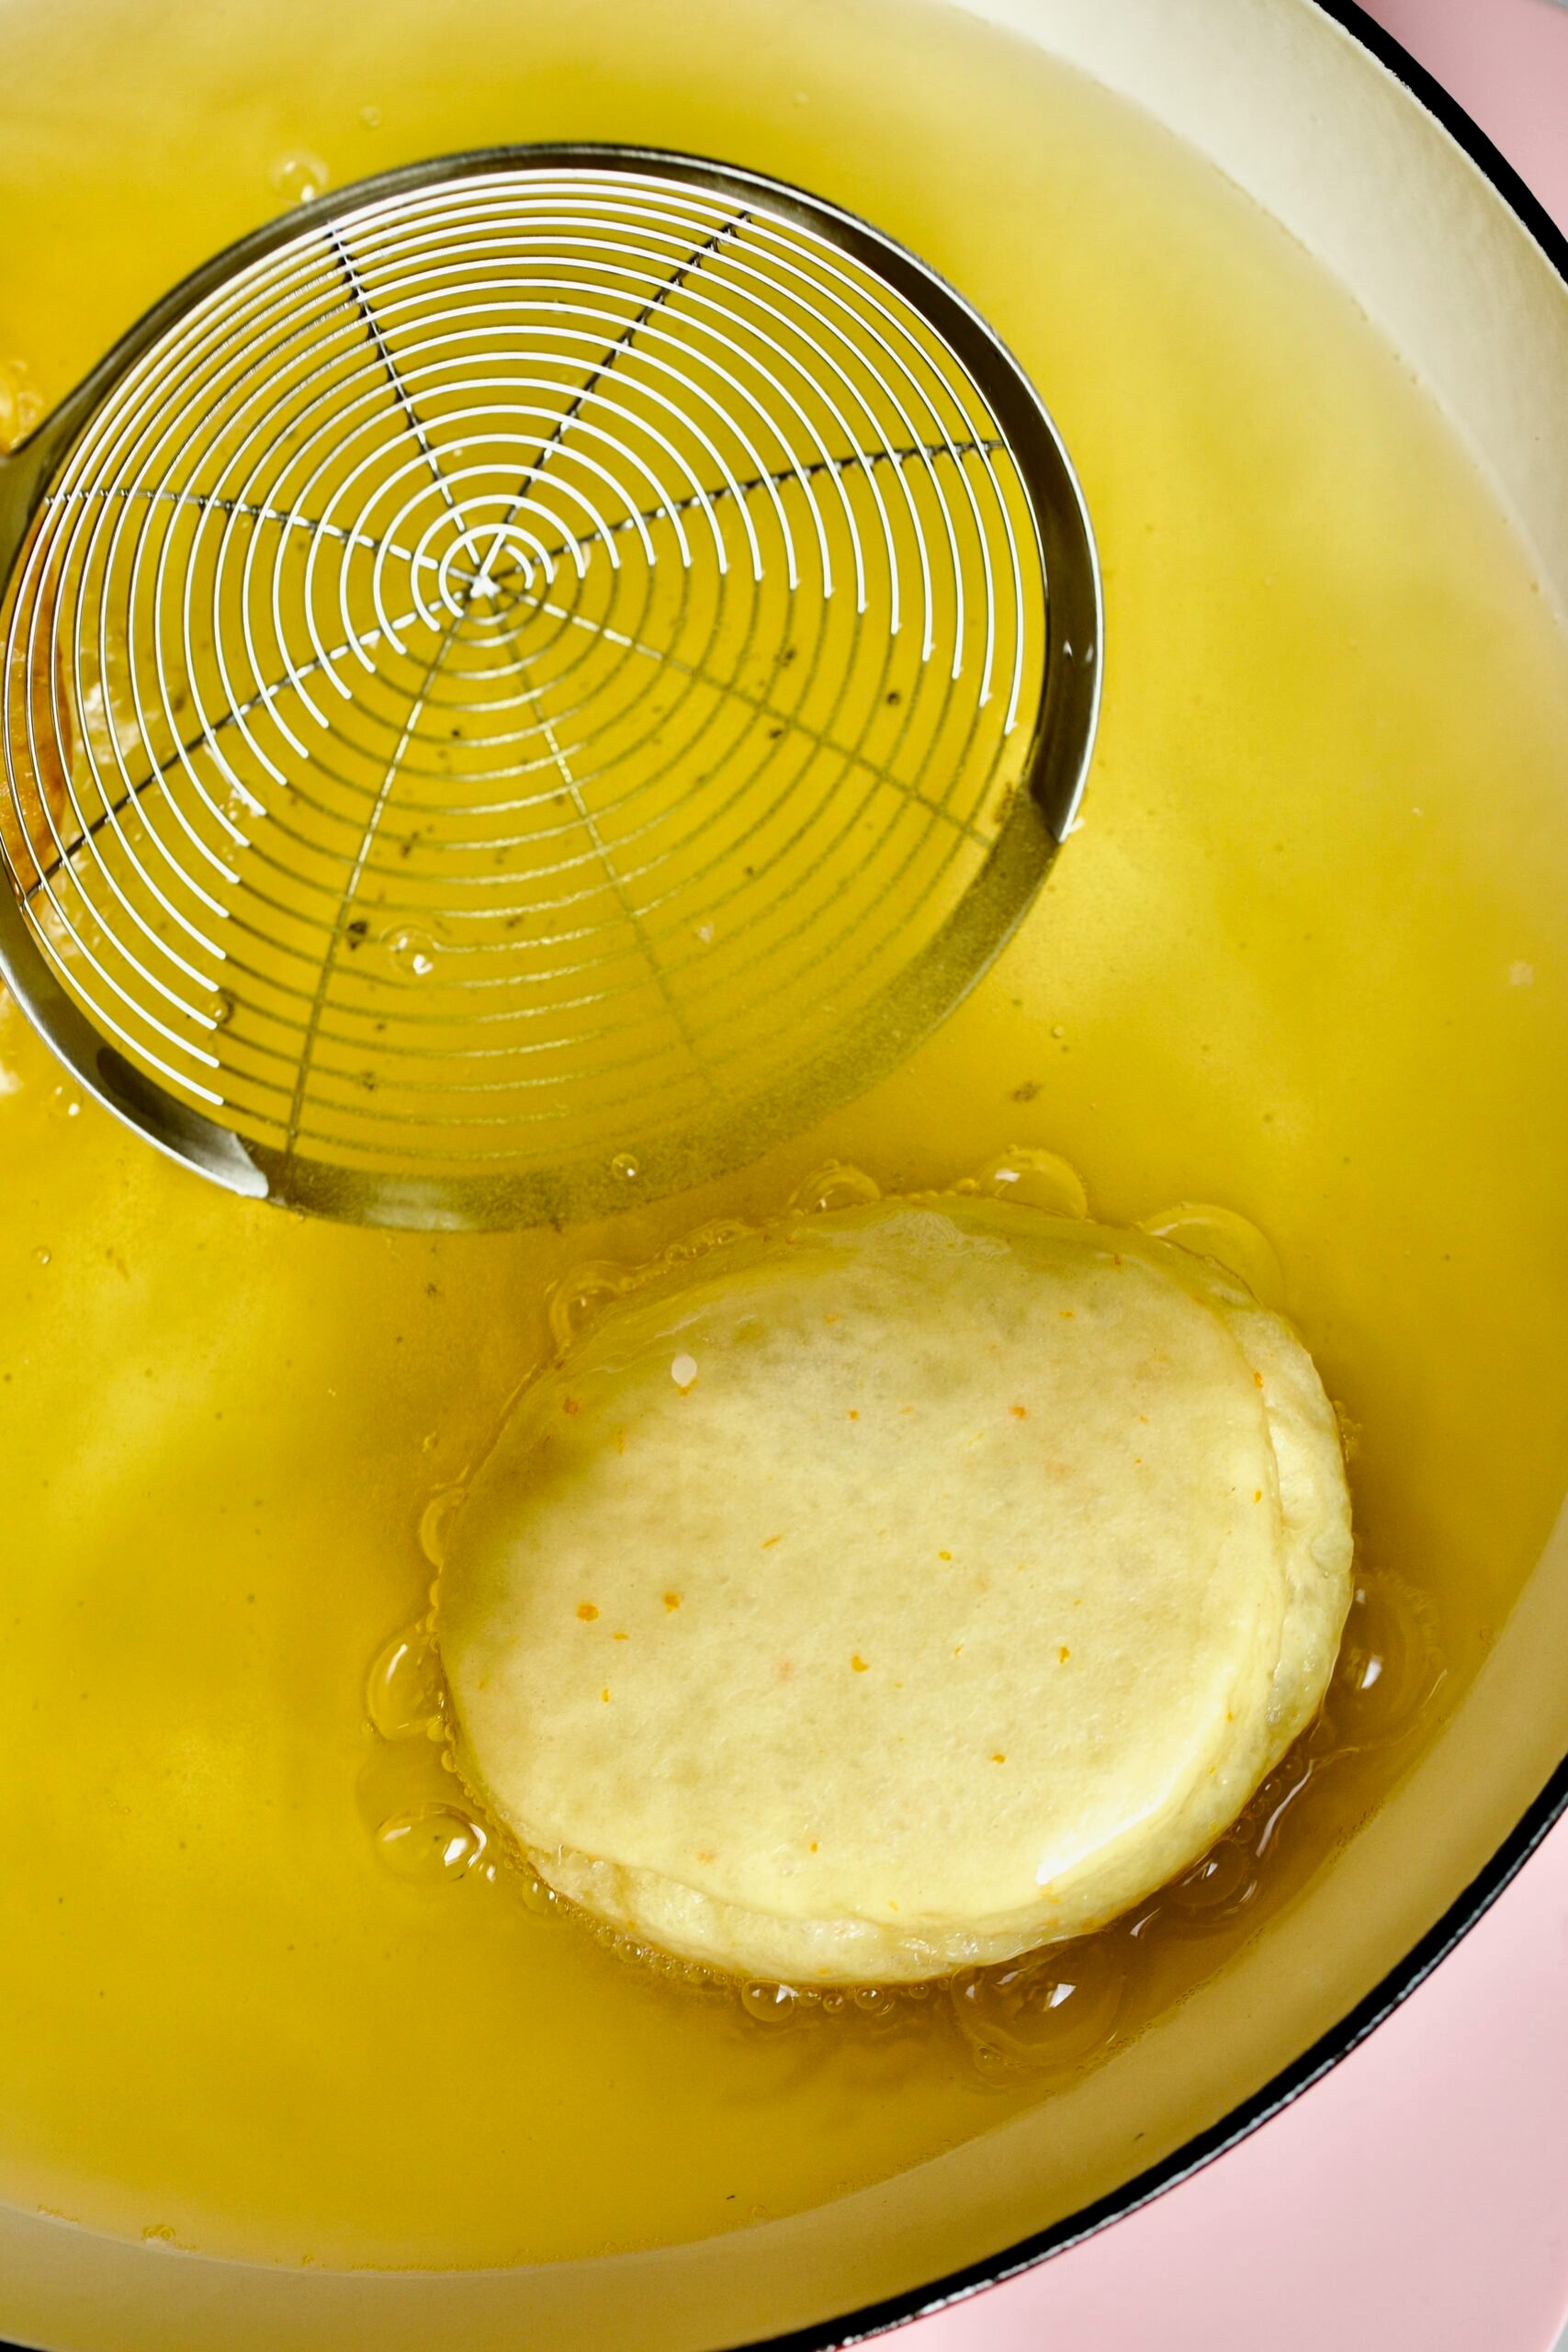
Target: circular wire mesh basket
x=529 y=681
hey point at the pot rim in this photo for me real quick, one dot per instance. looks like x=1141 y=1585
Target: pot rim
x=1395 y=1988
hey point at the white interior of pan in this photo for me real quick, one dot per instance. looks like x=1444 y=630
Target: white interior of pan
x=1290 y=108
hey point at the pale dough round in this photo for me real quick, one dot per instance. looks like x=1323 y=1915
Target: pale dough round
x=903 y=1588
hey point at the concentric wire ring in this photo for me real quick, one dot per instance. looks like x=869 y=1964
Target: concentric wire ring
x=529 y=681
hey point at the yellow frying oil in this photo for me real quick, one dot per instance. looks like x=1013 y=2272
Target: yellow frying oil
x=1303 y=961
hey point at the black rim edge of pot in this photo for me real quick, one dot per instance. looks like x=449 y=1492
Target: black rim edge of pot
x=1285 y=2087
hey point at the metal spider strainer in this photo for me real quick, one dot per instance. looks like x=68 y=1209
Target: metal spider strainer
x=527 y=680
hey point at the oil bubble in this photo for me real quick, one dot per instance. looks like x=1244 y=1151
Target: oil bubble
x=222 y=1009
x=1223 y=1883
x=535 y=1895
x=626 y=1166
x=411 y=951
x=64 y=1102
x=578 y=1296
x=1389 y=1663
x=1036 y=1180
x=1271 y=1815
x=431 y=1844
x=403 y=1694
x=874 y=2000
x=1048 y=2011
x=1233 y=1242
x=770 y=2004
x=300 y=176
x=835 y=1186
x=435 y=1522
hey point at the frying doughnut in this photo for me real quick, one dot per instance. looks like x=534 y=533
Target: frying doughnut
x=902 y=1588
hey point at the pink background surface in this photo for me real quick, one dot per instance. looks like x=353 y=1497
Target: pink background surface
x=1417 y=2200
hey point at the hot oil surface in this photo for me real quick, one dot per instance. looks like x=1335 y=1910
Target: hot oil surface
x=1302 y=961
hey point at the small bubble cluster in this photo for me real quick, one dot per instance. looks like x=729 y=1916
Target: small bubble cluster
x=421 y=1828
x=579 y=1295
x=700 y=1243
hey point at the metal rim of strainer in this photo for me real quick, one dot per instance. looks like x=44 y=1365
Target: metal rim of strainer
x=1038 y=815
